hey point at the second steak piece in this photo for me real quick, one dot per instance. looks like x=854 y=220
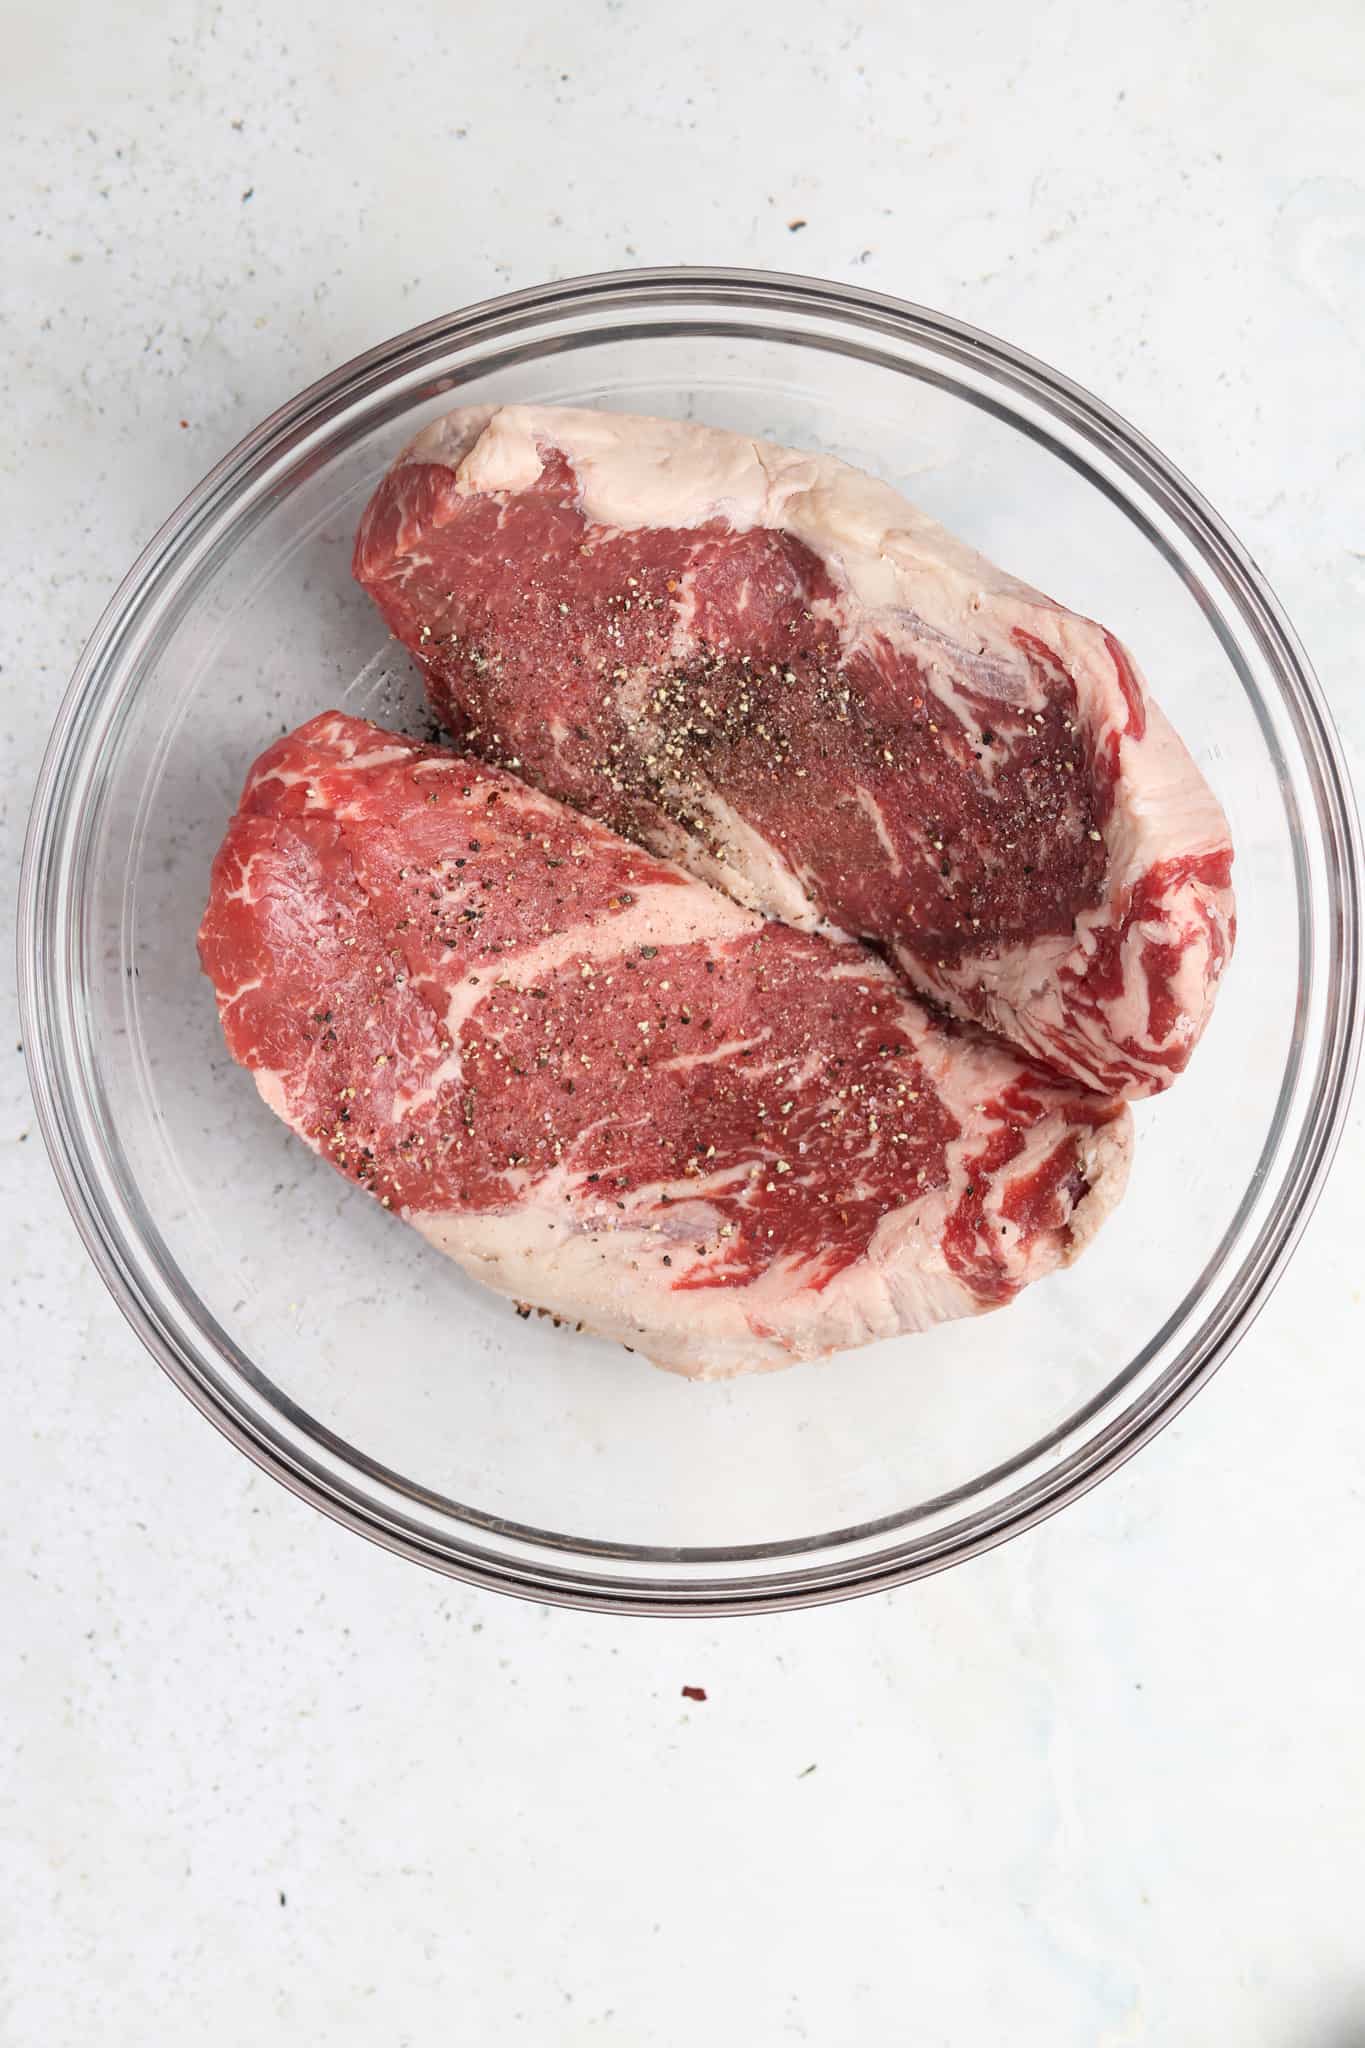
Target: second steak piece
x=772 y=668
x=607 y=1090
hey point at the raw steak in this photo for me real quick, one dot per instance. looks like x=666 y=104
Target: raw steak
x=770 y=667
x=607 y=1089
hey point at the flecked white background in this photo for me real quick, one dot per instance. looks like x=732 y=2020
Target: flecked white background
x=260 y=1783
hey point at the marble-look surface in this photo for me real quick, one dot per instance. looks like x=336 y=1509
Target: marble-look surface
x=260 y=1782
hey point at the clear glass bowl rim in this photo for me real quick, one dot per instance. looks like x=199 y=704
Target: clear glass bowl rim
x=45 y=948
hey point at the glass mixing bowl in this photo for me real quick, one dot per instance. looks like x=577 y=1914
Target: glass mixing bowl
x=369 y=1374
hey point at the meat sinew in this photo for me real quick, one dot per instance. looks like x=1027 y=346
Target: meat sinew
x=773 y=669
x=613 y=1093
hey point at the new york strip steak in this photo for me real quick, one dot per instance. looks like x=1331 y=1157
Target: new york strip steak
x=610 y=1091
x=770 y=667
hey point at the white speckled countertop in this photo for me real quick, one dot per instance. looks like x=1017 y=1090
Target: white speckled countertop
x=260 y=1782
